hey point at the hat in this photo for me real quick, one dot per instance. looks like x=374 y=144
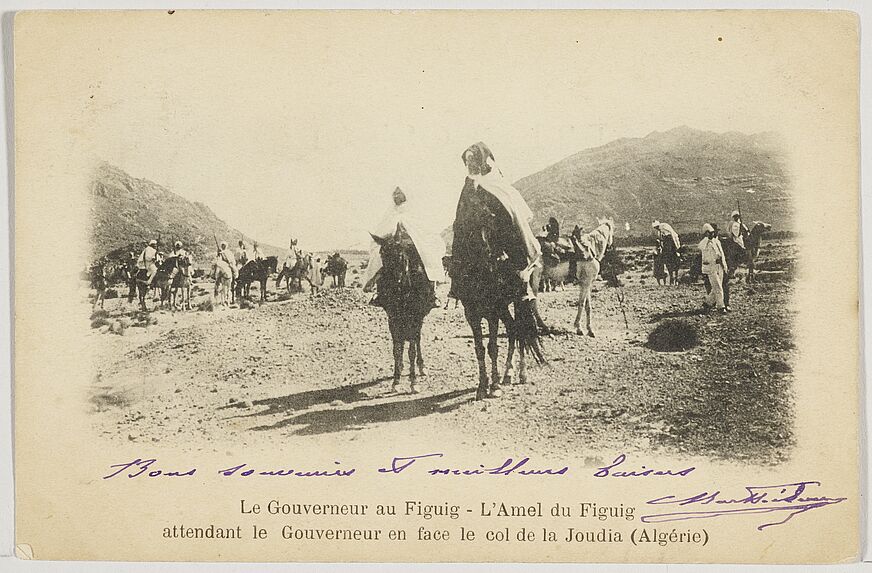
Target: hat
x=655 y=224
x=708 y=228
x=152 y=243
x=735 y=213
x=178 y=244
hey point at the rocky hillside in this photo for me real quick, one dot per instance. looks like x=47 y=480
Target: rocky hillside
x=683 y=176
x=127 y=212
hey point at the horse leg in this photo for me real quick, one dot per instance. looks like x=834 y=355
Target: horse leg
x=417 y=341
x=475 y=325
x=587 y=316
x=493 y=351
x=398 y=363
x=509 y=369
x=581 y=298
x=522 y=363
x=413 y=377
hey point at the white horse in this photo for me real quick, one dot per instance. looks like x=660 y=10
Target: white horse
x=590 y=248
x=223 y=277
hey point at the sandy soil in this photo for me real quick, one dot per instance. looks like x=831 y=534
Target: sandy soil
x=290 y=370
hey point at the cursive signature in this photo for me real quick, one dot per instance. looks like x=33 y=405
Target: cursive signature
x=782 y=502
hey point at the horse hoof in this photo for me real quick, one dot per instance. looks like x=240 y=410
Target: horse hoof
x=579 y=332
x=591 y=334
x=522 y=379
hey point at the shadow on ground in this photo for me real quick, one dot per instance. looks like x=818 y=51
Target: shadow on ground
x=337 y=420
x=311 y=398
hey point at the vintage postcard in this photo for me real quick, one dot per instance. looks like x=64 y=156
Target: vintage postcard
x=418 y=286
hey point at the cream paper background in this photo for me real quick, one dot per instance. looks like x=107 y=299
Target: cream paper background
x=805 y=70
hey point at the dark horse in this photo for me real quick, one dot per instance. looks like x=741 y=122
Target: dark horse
x=336 y=268
x=406 y=296
x=486 y=256
x=295 y=273
x=669 y=257
x=736 y=255
x=255 y=270
x=162 y=281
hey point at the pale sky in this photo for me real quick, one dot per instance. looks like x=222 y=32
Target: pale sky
x=302 y=124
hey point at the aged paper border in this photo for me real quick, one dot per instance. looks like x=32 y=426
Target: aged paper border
x=864 y=44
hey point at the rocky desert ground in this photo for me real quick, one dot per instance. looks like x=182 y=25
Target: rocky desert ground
x=299 y=368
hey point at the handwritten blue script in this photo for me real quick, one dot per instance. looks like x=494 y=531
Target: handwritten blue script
x=779 y=503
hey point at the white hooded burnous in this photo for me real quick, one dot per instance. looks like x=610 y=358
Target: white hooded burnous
x=428 y=242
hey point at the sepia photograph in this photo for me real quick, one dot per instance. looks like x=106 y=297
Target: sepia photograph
x=546 y=249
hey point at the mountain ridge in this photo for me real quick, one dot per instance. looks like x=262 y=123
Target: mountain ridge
x=126 y=212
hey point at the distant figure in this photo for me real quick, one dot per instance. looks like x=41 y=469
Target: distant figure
x=667 y=257
x=316 y=277
x=738 y=230
x=224 y=272
x=98 y=283
x=182 y=281
x=130 y=276
x=148 y=260
x=241 y=255
x=427 y=242
x=714 y=265
x=552 y=230
x=255 y=254
x=664 y=230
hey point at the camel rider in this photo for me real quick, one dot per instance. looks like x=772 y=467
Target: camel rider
x=241 y=255
x=225 y=257
x=148 y=260
x=665 y=229
x=427 y=241
x=738 y=230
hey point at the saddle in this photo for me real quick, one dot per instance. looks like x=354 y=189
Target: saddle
x=584 y=247
x=557 y=251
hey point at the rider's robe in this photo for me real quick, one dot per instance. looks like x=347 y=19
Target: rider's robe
x=428 y=243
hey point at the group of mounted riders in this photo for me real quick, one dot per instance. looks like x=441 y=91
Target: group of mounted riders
x=497 y=263
x=169 y=275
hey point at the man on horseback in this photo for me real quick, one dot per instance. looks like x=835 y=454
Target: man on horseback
x=148 y=260
x=256 y=255
x=224 y=256
x=428 y=243
x=494 y=254
x=241 y=255
x=738 y=230
x=665 y=231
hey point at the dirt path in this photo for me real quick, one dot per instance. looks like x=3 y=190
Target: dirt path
x=287 y=371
